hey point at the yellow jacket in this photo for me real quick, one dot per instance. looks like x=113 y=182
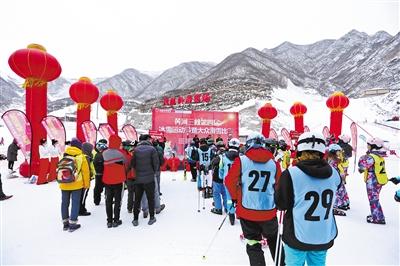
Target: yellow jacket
x=83 y=180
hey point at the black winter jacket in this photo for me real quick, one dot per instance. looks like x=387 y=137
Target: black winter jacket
x=145 y=162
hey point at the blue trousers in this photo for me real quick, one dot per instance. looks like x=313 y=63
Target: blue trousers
x=66 y=197
x=295 y=257
x=230 y=208
x=218 y=192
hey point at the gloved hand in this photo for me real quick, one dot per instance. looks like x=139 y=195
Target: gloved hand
x=234 y=203
x=394 y=180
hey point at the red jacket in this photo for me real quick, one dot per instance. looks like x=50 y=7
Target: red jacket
x=114 y=163
x=173 y=164
x=131 y=174
x=232 y=183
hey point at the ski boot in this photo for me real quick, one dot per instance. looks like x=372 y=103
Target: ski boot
x=216 y=211
x=73 y=226
x=338 y=212
x=372 y=221
x=152 y=221
x=65 y=225
x=116 y=223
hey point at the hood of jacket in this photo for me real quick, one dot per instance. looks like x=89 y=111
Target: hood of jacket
x=73 y=150
x=232 y=154
x=115 y=142
x=316 y=168
x=204 y=147
x=260 y=155
x=145 y=142
x=87 y=149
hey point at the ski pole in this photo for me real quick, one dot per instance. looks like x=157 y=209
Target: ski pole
x=278 y=249
x=205 y=191
x=215 y=235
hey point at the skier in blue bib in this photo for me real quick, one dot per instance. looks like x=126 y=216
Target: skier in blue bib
x=307 y=193
x=251 y=183
x=204 y=180
x=225 y=164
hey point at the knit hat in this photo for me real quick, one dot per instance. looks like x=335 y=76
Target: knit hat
x=76 y=143
x=87 y=148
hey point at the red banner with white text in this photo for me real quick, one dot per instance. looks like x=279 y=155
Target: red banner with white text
x=180 y=126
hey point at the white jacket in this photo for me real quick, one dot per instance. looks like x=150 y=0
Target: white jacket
x=44 y=152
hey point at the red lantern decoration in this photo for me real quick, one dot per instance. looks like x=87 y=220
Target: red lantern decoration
x=37 y=67
x=112 y=102
x=206 y=97
x=298 y=110
x=197 y=98
x=84 y=93
x=172 y=101
x=337 y=102
x=166 y=101
x=181 y=100
x=188 y=99
x=267 y=112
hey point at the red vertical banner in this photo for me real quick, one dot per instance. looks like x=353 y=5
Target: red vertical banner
x=20 y=128
x=106 y=130
x=353 y=129
x=326 y=132
x=273 y=134
x=354 y=138
x=56 y=130
x=286 y=136
x=89 y=132
x=179 y=125
x=130 y=132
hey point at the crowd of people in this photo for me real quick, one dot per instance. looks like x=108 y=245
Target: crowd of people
x=250 y=182
x=307 y=182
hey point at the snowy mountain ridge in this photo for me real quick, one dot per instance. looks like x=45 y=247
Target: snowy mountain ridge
x=352 y=64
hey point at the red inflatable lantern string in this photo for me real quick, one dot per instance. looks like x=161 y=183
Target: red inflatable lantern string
x=267 y=112
x=337 y=102
x=37 y=67
x=298 y=110
x=84 y=93
x=112 y=102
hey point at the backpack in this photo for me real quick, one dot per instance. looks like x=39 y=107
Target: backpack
x=67 y=169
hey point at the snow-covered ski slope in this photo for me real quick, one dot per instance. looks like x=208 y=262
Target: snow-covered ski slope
x=31 y=228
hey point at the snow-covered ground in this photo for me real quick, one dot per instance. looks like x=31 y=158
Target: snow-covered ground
x=31 y=228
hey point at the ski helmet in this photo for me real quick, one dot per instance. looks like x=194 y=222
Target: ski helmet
x=101 y=146
x=282 y=145
x=255 y=140
x=311 y=141
x=234 y=143
x=334 y=148
x=345 y=138
x=375 y=143
x=220 y=144
x=210 y=141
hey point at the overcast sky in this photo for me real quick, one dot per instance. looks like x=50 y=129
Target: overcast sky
x=100 y=38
